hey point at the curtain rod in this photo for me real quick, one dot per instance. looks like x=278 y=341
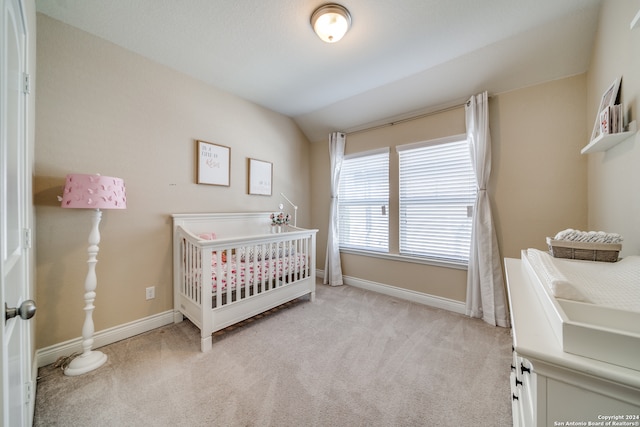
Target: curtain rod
x=408 y=119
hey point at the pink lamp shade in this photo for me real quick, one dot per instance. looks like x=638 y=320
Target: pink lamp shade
x=93 y=192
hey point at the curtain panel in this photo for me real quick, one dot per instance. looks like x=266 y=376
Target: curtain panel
x=332 y=266
x=485 y=282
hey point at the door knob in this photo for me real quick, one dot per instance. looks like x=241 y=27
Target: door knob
x=26 y=310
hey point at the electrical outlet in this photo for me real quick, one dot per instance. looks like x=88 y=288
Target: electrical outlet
x=151 y=292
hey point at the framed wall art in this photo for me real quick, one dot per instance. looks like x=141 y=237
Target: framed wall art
x=609 y=98
x=214 y=164
x=260 y=176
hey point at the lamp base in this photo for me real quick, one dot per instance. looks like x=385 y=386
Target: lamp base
x=85 y=362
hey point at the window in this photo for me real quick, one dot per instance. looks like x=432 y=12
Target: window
x=364 y=201
x=437 y=193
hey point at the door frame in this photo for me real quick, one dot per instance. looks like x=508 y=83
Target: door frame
x=27 y=15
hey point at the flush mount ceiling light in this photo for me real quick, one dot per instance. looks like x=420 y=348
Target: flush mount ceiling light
x=331 y=22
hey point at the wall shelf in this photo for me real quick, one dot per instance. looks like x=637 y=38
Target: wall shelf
x=606 y=141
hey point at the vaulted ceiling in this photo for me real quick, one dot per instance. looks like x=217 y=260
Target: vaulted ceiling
x=400 y=57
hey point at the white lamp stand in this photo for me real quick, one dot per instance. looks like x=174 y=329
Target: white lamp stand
x=89 y=359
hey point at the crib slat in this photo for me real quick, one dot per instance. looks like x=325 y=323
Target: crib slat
x=285 y=269
x=193 y=271
x=189 y=272
x=235 y=292
x=279 y=263
x=229 y=275
x=248 y=267
x=186 y=270
x=252 y=266
x=270 y=273
x=261 y=270
x=255 y=276
x=299 y=255
x=218 y=281
x=287 y=261
x=294 y=259
x=196 y=289
x=306 y=256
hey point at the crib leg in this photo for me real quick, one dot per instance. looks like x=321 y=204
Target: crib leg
x=205 y=344
x=177 y=317
x=313 y=296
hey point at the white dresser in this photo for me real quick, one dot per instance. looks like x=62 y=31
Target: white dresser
x=550 y=387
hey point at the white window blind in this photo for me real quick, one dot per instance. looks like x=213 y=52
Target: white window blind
x=437 y=193
x=363 y=202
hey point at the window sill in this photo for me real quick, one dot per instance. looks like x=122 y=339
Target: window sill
x=405 y=258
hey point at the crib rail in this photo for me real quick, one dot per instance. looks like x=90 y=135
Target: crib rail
x=218 y=273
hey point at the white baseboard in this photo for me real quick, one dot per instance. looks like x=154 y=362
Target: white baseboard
x=48 y=355
x=401 y=293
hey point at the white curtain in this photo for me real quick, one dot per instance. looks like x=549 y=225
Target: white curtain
x=485 y=284
x=332 y=266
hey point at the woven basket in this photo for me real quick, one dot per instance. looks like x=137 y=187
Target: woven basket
x=606 y=252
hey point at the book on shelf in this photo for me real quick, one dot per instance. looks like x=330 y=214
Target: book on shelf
x=611 y=120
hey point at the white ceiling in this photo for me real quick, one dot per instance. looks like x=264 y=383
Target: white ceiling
x=399 y=58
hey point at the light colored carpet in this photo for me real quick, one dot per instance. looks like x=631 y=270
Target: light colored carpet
x=351 y=358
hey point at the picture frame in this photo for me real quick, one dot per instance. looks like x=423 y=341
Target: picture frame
x=609 y=98
x=213 y=164
x=260 y=177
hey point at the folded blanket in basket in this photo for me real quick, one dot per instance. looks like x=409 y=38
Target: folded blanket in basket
x=588 y=236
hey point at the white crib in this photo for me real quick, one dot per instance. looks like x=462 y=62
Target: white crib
x=246 y=269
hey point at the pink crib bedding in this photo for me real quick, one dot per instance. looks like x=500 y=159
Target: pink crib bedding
x=259 y=272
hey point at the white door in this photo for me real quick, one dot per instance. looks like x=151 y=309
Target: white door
x=14 y=219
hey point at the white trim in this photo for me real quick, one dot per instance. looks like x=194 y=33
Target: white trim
x=32 y=394
x=405 y=294
x=48 y=355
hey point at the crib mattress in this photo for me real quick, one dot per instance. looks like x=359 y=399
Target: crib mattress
x=251 y=272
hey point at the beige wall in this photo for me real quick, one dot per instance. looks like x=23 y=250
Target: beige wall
x=614 y=176
x=102 y=109
x=539 y=176
x=538 y=182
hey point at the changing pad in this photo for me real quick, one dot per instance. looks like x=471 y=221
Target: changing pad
x=615 y=285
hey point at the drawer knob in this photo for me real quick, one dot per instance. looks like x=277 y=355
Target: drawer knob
x=524 y=369
x=514 y=397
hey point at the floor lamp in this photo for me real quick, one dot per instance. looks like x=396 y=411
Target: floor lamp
x=94 y=192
